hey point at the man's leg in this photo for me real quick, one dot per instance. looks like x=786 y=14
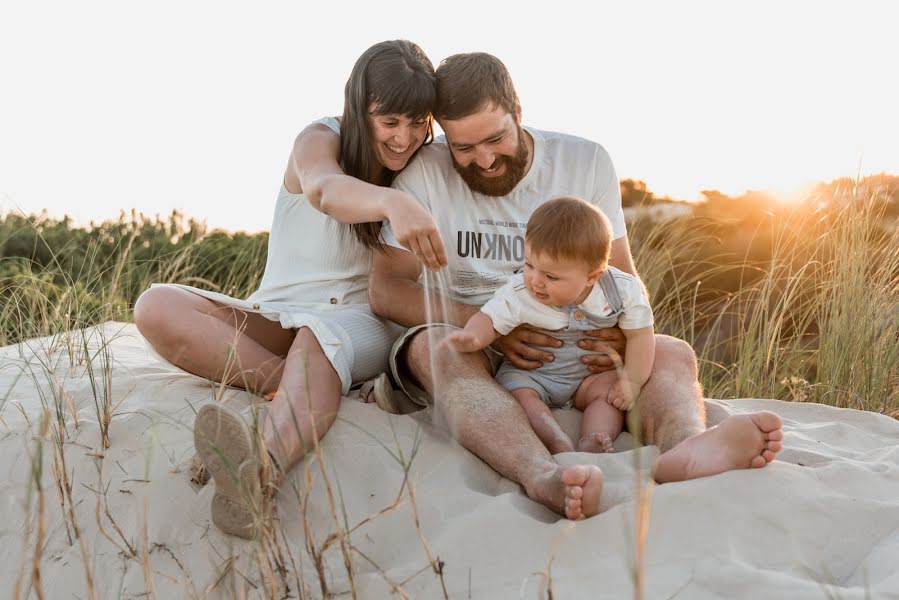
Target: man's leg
x=670 y=407
x=488 y=421
x=672 y=416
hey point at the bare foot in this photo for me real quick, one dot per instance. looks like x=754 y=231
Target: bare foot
x=583 y=486
x=570 y=491
x=597 y=443
x=738 y=442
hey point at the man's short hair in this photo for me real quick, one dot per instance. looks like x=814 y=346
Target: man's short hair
x=468 y=83
x=569 y=228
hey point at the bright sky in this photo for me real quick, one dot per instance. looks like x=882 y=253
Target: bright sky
x=195 y=104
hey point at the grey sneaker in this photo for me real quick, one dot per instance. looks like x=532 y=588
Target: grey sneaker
x=379 y=391
x=225 y=445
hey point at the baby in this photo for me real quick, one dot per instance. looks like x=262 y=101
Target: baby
x=567 y=288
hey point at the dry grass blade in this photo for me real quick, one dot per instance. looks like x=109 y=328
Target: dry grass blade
x=35 y=487
x=436 y=563
x=40 y=537
x=102 y=389
x=101 y=492
x=150 y=590
x=332 y=505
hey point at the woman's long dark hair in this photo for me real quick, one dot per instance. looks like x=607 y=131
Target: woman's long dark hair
x=399 y=78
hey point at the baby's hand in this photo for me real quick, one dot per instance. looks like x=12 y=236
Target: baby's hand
x=623 y=394
x=463 y=341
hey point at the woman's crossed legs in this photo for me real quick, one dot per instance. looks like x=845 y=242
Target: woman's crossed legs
x=246 y=350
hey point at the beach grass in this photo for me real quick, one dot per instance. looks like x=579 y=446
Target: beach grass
x=801 y=303
x=791 y=301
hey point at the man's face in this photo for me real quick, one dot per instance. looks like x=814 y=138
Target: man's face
x=489 y=150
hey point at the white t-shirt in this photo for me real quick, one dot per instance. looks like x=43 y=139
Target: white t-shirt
x=513 y=305
x=484 y=235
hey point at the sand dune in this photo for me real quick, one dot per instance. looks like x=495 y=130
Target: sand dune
x=821 y=522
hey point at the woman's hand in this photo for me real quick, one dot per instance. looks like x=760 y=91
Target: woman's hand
x=518 y=347
x=608 y=344
x=414 y=228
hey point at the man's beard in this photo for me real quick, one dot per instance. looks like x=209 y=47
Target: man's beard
x=503 y=184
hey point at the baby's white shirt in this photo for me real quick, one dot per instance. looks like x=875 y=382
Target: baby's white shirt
x=513 y=305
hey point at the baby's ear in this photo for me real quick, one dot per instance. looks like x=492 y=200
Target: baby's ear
x=593 y=276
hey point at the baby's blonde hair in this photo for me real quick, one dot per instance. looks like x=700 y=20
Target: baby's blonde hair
x=570 y=228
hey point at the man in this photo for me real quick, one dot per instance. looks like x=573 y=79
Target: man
x=481 y=187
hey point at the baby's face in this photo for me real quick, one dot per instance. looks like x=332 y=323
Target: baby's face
x=555 y=282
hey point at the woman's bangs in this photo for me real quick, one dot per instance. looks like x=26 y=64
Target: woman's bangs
x=413 y=98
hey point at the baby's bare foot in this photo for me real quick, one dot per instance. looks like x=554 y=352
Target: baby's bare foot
x=738 y=442
x=597 y=443
x=583 y=487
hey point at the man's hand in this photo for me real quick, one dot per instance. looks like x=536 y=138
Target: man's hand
x=623 y=394
x=414 y=228
x=608 y=344
x=518 y=347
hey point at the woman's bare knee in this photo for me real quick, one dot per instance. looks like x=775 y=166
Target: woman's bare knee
x=145 y=310
x=155 y=310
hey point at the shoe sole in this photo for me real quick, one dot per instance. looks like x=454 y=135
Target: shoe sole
x=225 y=445
x=383 y=392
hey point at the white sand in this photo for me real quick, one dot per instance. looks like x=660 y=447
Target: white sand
x=823 y=521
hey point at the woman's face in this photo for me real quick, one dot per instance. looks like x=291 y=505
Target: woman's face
x=396 y=138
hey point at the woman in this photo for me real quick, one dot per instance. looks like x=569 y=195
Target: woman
x=308 y=328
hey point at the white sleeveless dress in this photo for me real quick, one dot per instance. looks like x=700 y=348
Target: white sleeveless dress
x=316 y=276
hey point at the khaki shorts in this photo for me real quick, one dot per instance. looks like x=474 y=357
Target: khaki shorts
x=400 y=371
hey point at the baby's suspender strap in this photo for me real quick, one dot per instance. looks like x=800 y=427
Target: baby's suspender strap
x=610 y=291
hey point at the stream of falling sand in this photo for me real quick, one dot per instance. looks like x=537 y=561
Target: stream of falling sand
x=437 y=293
x=436 y=289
